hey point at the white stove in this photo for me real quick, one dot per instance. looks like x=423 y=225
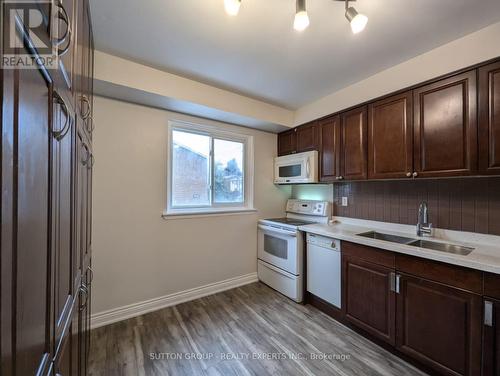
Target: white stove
x=280 y=262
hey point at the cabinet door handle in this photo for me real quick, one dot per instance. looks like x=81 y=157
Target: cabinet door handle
x=85 y=292
x=59 y=135
x=87 y=158
x=91 y=273
x=63 y=16
x=91 y=128
x=394 y=280
x=415 y=174
x=488 y=313
x=90 y=161
x=408 y=174
x=87 y=113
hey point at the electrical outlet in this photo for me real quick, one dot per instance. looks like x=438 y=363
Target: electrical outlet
x=344 y=201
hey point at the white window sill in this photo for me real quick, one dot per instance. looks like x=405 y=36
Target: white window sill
x=207 y=213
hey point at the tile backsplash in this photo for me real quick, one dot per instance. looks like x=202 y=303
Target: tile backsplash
x=464 y=204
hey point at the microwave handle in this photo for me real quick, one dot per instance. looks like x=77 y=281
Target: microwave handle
x=308 y=167
x=277 y=230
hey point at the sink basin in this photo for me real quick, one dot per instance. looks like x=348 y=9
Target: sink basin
x=427 y=244
x=443 y=247
x=387 y=237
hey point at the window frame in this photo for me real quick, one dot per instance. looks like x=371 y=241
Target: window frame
x=213 y=132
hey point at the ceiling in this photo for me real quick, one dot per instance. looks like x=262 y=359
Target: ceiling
x=259 y=54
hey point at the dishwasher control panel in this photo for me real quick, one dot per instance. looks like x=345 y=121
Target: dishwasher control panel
x=323 y=241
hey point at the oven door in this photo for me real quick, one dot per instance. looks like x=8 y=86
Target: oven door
x=279 y=247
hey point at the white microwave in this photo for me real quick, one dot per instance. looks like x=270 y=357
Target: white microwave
x=297 y=168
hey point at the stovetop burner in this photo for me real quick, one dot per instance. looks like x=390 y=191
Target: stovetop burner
x=290 y=221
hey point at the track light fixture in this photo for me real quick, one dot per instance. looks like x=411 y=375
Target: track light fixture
x=358 y=21
x=301 y=22
x=232 y=7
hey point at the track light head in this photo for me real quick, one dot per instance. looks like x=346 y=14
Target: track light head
x=358 y=21
x=232 y=7
x=301 y=21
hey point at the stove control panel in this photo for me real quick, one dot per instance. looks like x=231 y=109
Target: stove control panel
x=309 y=207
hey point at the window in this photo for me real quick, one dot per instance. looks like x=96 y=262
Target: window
x=210 y=170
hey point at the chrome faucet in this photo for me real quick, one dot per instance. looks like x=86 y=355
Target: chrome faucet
x=424 y=228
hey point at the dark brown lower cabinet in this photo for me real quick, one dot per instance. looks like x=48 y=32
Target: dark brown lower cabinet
x=429 y=311
x=491 y=337
x=439 y=326
x=369 y=302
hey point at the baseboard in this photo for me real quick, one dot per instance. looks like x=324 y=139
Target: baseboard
x=136 y=309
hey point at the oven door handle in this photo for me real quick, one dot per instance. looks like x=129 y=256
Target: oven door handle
x=277 y=230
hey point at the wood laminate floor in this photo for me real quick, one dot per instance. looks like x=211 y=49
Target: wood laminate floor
x=251 y=330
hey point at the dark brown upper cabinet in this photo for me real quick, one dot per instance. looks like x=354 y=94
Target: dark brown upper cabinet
x=330 y=148
x=287 y=142
x=307 y=137
x=354 y=144
x=390 y=139
x=445 y=127
x=489 y=119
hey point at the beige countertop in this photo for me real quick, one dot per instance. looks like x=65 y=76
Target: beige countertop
x=484 y=257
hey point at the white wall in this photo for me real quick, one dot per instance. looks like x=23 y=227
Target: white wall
x=469 y=50
x=137 y=255
x=117 y=77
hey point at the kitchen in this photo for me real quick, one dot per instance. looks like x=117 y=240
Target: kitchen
x=296 y=187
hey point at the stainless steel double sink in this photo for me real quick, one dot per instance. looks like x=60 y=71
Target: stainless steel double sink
x=427 y=244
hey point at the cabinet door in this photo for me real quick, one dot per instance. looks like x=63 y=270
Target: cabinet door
x=445 y=127
x=354 y=144
x=368 y=301
x=26 y=300
x=439 y=326
x=489 y=119
x=307 y=137
x=63 y=130
x=491 y=338
x=390 y=138
x=330 y=149
x=287 y=142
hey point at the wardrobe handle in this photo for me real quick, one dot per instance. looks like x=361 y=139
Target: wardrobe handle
x=63 y=51
x=63 y=16
x=85 y=291
x=91 y=128
x=59 y=135
x=91 y=160
x=91 y=272
x=85 y=160
x=85 y=115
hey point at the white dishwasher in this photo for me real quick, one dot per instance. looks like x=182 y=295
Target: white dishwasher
x=324 y=268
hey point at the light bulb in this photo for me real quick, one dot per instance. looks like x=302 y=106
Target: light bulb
x=232 y=7
x=301 y=21
x=358 y=21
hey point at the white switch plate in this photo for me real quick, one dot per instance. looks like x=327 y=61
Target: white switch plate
x=344 y=201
